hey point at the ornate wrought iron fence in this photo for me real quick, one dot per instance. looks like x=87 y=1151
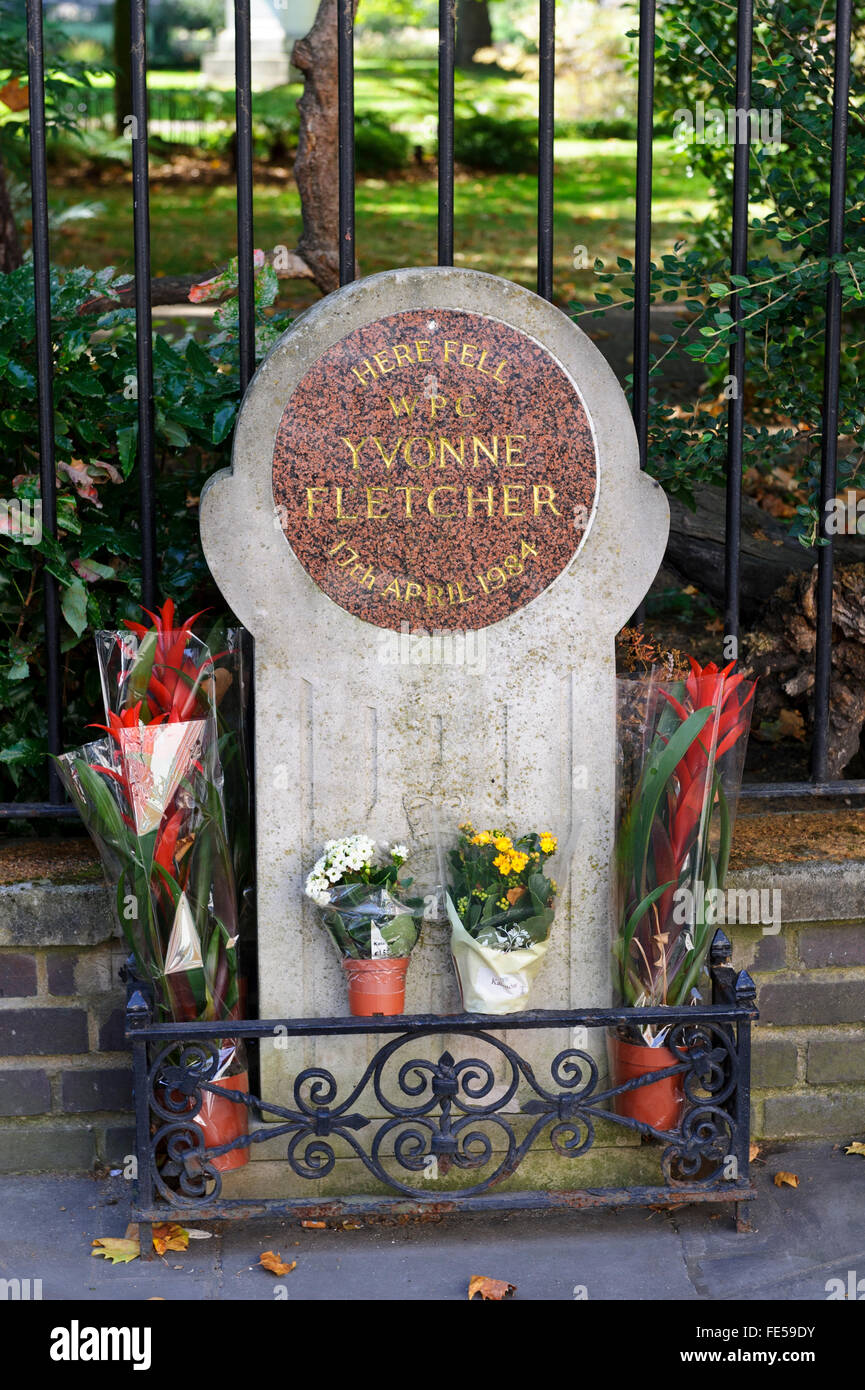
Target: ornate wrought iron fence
x=54 y=806
x=441 y=1111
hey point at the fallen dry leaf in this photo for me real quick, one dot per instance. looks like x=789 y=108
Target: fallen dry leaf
x=116 y=1249
x=753 y=1152
x=788 y=1179
x=857 y=1147
x=314 y=1225
x=481 y=1286
x=169 y=1236
x=275 y=1263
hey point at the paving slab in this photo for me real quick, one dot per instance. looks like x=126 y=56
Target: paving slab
x=802 y=1238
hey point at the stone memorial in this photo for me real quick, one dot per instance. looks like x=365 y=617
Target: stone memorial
x=434 y=526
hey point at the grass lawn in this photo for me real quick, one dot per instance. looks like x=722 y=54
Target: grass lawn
x=405 y=90
x=193 y=228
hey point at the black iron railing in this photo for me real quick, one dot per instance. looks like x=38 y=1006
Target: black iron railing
x=818 y=785
x=429 y=1118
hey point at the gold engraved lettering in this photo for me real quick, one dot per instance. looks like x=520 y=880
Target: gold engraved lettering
x=431 y=506
x=509 y=501
x=419 y=439
x=479 y=445
x=340 y=514
x=446 y=444
x=513 y=450
x=387 y=458
x=482 y=501
x=537 y=489
x=408 y=492
x=361 y=371
x=372 y=501
x=310 y=500
x=355 y=449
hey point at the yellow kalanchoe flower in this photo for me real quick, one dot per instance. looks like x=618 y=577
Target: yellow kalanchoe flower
x=549 y=843
x=518 y=861
x=503 y=843
x=503 y=863
x=483 y=837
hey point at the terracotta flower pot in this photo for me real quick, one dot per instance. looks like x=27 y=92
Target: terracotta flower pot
x=659 y=1104
x=376 y=986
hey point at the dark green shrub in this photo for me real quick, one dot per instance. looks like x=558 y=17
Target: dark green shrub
x=95 y=557
x=489 y=142
x=377 y=147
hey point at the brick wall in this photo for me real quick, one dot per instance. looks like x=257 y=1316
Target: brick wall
x=65 y=1079
x=808 y=1070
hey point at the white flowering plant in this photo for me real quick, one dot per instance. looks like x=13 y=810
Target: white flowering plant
x=363 y=901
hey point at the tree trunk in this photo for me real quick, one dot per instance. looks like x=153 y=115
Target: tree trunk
x=315 y=171
x=10 y=247
x=769 y=553
x=122 y=64
x=780 y=653
x=473 y=30
x=316 y=161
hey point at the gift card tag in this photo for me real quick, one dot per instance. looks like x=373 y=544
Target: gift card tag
x=490 y=985
x=377 y=944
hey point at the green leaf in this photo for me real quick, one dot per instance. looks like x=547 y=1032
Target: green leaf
x=223 y=420
x=73 y=604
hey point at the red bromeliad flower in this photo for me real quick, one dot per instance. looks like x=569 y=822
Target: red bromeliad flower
x=688 y=796
x=174 y=683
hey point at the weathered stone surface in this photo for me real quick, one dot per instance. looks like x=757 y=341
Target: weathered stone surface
x=810 y=892
x=830 y=1116
x=838 y=1059
x=17 y=975
x=354 y=731
x=61 y=972
x=55 y=914
x=38 y=1147
x=25 y=1091
x=773 y=1062
x=802 y=999
x=97 y=1088
x=41 y=1032
x=833 y=945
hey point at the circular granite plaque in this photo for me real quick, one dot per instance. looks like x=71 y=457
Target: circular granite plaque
x=434 y=468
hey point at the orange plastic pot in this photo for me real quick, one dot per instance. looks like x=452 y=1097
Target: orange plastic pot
x=659 y=1104
x=224 y=1120
x=376 y=986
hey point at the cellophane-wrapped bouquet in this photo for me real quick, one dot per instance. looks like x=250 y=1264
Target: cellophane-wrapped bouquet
x=150 y=795
x=501 y=905
x=363 y=903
